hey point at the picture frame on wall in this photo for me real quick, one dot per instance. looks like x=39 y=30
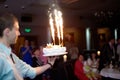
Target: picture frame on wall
x=69 y=37
x=102 y=37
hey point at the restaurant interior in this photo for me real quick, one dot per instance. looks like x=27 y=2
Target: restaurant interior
x=87 y=23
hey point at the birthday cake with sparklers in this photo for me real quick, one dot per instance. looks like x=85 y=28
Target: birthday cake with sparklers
x=56 y=27
x=54 y=50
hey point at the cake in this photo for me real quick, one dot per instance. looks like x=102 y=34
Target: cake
x=54 y=50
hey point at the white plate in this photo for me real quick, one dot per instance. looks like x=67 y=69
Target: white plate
x=55 y=54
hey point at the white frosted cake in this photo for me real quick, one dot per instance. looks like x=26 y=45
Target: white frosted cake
x=54 y=50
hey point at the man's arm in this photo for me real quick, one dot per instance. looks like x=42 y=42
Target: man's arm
x=28 y=71
x=42 y=69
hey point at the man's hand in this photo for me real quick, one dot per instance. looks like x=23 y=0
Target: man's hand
x=51 y=60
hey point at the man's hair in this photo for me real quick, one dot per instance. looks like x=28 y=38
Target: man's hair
x=7 y=21
x=118 y=38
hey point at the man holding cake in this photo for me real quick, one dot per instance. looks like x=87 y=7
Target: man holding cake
x=11 y=67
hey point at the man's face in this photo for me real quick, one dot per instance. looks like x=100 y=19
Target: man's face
x=112 y=41
x=14 y=33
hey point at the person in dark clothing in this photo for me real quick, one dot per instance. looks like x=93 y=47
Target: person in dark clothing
x=36 y=62
x=26 y=52
x=108 y=53
x=11 y=67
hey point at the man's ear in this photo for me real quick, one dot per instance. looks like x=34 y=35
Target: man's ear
x=6 y=32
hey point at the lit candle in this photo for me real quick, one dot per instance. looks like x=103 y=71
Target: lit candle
x=65 y=58
x=61 y=26
x=98 y=53
x=52 y=27
x=57 y=24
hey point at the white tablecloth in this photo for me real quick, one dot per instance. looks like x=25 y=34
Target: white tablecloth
x=112 y=73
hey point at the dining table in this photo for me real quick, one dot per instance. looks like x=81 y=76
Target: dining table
x=113 y=73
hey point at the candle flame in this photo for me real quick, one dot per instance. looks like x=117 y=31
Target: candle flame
x=61 y=26
x=52 y=27
x=98 y=53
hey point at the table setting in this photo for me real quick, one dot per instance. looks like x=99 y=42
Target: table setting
x=111 y=71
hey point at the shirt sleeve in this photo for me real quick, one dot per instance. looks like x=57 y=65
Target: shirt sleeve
x=1 y=64
x=24 y=69
x=118 y=49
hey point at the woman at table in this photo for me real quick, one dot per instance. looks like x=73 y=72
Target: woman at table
x=88 y=69
x=78 y=68
x=95 y=62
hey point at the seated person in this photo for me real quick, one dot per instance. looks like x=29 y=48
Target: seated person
x=88 y=70
x=91 y=67
x=78 y=68
x=95 y=62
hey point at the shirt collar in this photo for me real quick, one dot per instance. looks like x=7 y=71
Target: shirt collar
x=5 y=49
